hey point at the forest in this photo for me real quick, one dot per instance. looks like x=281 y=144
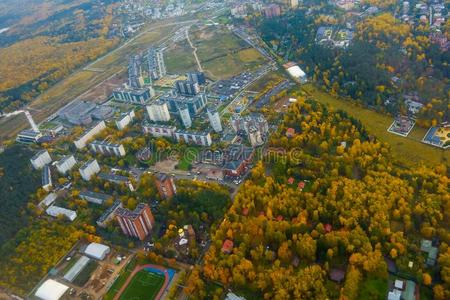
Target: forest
x=333 y=201
x=385 y=61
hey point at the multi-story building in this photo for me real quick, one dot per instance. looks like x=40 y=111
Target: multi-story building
x=185 y=116
x=195 y=103
x=158 y=111
x=89 y=169
x=29 y=136
x=117 y=179
x=134 y=72
x=255 y=136
x=81 y=142
x=40 y=159
x=55 y=211
x=158 y=130
x=137 y=223
x=65 y=164
x=156 y=65
x=239 y=123
x=272 y=10
x=197 y=138
x=93 y=197
x=134 y=96
x=107 y=148
x=46 y=178
x=214 y=119
x=197 y=77
x=125 y=119
x=108 y=215
x=166 y=186
x=187 y=88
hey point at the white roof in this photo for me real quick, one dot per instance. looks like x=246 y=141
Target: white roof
x=183 y=242
x=54 y=211
x=51 y=290
x=49 y=199
x=97 y=250
x=398 y=284
x=295 y=71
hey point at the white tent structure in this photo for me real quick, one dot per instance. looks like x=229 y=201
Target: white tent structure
x=51 y=290
x=97 y=251
x=297 y=73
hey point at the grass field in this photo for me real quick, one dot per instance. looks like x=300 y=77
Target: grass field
x=179 y=58
x=81 y=81
x=144 y=286
x=409 y=151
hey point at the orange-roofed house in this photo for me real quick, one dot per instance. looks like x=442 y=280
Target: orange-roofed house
x=227 y=246
x=291 y=180
x=290 y=132
x=301 y=185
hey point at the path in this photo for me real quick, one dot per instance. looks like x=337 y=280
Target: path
x=138 y=269
x=200 y=69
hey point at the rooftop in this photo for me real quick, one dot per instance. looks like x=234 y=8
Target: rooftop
x=126 y=213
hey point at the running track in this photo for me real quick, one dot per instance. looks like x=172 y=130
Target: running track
x=140 y=268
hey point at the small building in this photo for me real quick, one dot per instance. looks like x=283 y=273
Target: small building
x=93 y=197
x=55 y=211
x=227 y=246
x=97 y=251
x=40 y=159
x=51 y=290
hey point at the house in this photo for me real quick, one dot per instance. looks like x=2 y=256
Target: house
x=291 y=180
x=227 y=246
x=301 y=185
x=290 y=132
x=427 y=247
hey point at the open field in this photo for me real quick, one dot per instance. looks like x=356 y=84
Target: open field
x=84 y=79
x=409 y=150
x=221 y=53
x=268 y=80
x=144 y=286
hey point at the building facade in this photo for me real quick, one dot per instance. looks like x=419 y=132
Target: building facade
x=125 y=119
x=214 y=119
x=65 y=164
x=156 y=65
x=40 y=159
x=46 y=178
x=137 y=223
x=89 y=169
x=166 y=186
x=158 y=111
x=82 y=141
x=197 y=77
x=187 y=88
x=107 y=148
x=197 y=138
x=159 y=130
x=134 y=96
x=185 y=116
x=195 y=103
x=134 y=72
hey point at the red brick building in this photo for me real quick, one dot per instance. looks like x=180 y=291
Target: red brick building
x=166 y=186
x=137 y=223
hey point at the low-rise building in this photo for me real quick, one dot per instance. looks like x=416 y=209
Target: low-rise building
x=55 y=211
x=97 y=251
x=89 y=169
x=29 y=136
x=93 y=197
x=82 y=141
x=107 y=148
x=40 y=159
x=190 y=137
x=66 y=164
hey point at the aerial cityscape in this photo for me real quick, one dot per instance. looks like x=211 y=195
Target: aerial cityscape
x=192 y=149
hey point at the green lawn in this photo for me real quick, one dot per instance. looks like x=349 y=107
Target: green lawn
x=144 y=286
x=179 y=58
x=373 y=289
x=409 y=151
x=120 y=280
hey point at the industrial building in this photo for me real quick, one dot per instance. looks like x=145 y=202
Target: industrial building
x=137 y=223
x=156 y=65
x=46 y=178
x=158 y=130
x=187 y=88
x=55 y=211
x=40 y=159
x=84 y=113
x=139 y=96
x=214 y=119
x=190 y=137
x=66 y=164
x=107 y=148
x=166 y=186
x=89 y=169
x=158 y=111
x=125 y=119
x=81 y=142
x=93 y=197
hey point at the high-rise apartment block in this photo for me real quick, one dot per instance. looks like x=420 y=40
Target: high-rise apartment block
x=197 y=77
x=40 y=159
x=156 y=65
x=166 y=186
x=185 y=115
x=137 y=223
x=158 y=111
x=134 y=96
x=187 y=88
x=214 y=119
x=89 y=169
x=107 y=148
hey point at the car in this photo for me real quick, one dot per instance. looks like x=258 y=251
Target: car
x=189 y=174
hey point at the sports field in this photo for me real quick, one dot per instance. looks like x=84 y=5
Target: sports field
x=144 y=286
